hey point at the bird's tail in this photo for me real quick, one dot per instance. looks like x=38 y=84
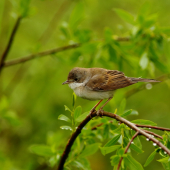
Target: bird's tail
x=135 y=80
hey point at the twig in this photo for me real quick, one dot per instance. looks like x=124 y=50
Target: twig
x=134 y=127
x=40 y=54
x=52 y=51
x=153 y=127
x=154 y=134
x=7 y=49
x=127 y=147
x=114 y=116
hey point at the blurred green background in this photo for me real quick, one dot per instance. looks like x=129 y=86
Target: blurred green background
x=31 y=94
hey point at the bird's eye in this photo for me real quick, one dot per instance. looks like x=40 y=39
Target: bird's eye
x=75 y=79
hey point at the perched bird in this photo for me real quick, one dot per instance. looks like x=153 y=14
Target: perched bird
x=99 y=83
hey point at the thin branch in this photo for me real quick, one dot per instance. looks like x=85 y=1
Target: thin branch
x=153 y=127
x=8 y=47
x=154 y=134
x=40 y=54
x=52 y=51
x=127 y=147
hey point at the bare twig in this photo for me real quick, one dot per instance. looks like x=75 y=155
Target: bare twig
x=153 y=127
x=127 y=147
x=154 y=134
x=114 y=116
x=7 y=49
x=40 y=54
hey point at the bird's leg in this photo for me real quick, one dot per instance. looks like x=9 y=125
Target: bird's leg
x=103 y=106
x=92 y=110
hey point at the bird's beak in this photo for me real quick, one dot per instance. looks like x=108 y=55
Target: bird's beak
x=66 y=82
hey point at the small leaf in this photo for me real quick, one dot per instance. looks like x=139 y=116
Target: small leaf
x=66 y=108
x=144 y=122
x=134 y=112
x=82 y=117
x=150 y=158
x=108 y=35
x=126 y=113
x=63 y=117
x=106 y=150
x=121 y=151
x=164 y=160
x=74 y=99
x=90 y=149
x=132 y=164
x=115 y=160
x=42 y=150
x=127 y=17
x=144 y=61
x=106 y=131
x=112 y=141
x=77 y=112
x=76 y=15
x=66 y=128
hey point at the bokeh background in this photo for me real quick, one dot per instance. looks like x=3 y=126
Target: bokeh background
x=31 y=93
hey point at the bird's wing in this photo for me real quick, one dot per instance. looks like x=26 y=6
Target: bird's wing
x=108 y=81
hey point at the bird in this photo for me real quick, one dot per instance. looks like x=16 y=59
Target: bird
x=99 y=83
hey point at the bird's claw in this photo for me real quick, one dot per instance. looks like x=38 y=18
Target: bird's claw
x=100 y=112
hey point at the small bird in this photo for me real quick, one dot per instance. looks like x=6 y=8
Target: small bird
x=99 y=83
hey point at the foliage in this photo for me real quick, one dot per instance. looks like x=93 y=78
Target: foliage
x=32 y=97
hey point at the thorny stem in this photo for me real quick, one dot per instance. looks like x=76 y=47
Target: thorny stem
x=127 y=147
x=114 y=116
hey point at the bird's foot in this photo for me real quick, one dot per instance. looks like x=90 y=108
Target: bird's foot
x=91 y=112
x=100 y=113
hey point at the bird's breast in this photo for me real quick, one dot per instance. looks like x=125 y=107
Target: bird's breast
x=82 y=91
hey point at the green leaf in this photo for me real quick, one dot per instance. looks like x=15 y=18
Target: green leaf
x=164 y=160
x=106 y=131
x=3 y=105
x=144 y=122
x=112 y=141
x=63 y=117
x=82 y=117
x=121 y=151
x=122 y=107
x=66 y=108
x=144 y=61
x=66 y=128
x=126 y=113
x=106 y=150
x=150 y=158
x=90 y=149
x=127 y=17
x=108 y=35
x=12 y=118
x=77 y=15
x=42 y=150
x=77 y=112
x=131 y=163
x=134 y=112
x=74 y=99
x=112 y=54
x=115 y=160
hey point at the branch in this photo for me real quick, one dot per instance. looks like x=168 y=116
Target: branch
x=153 y=127
x=154 y=134
x=52 y=51
x=127 y=147
x=114 y=116
x=40 y=54
x=7 y=49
